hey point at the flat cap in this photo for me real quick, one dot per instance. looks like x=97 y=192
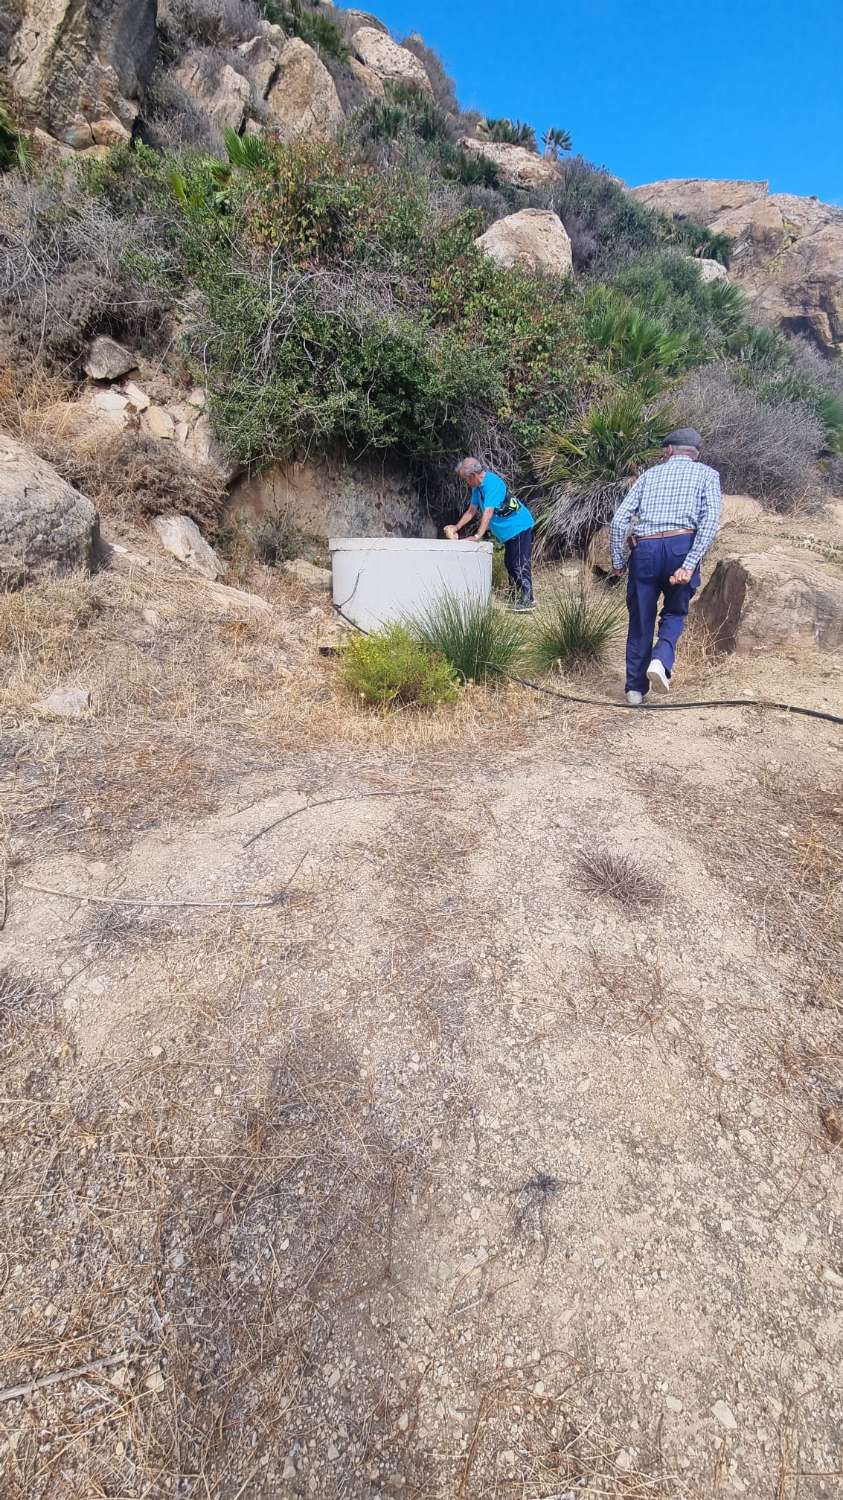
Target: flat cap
x=683 y=437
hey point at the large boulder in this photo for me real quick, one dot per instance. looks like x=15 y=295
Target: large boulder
x=261 y=57
x=80 y=66
x=46 y=526
x=699 y=198
x=222 y=92
x=763 y=601
x=384 y=56
x=523 y=168
x=356 y=20
x=303 y=100
x=787 y=251
x=534 y=238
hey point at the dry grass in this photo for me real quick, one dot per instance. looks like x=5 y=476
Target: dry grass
x=618 y=876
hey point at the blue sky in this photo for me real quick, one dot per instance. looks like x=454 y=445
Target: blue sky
x=649 y=88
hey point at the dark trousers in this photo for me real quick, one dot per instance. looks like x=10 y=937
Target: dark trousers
x=518 y=556
x=652 y=562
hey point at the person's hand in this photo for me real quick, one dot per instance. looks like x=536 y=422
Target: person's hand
x=682 y=575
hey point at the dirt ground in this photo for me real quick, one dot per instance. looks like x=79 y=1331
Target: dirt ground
x=445 y=1108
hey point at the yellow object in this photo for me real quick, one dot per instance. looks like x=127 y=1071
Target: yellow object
x=451 y=533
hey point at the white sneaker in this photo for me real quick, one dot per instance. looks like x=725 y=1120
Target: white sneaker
x=634 y=699
x=658 y=676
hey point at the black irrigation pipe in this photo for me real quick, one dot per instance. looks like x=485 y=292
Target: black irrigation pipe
x=789 y=708
x=536 y=687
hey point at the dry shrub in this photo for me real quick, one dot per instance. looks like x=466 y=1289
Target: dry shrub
x=443 y=86
x=766 y=451
x=64 y=273
x=127 y=475
x=208 y=23
x=621 y=877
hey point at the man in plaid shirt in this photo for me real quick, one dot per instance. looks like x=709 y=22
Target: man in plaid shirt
x=669 y=520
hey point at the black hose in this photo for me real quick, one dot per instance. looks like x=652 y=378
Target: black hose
x=790 y=708
x=536 y=687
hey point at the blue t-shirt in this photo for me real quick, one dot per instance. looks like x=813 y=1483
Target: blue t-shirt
x=490 y=495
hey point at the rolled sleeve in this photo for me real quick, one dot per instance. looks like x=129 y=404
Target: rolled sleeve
x=708 y=524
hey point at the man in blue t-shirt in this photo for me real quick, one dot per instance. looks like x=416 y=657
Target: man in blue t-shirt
x=508 y=520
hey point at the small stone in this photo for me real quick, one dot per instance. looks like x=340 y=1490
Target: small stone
x=307 y=573
x=108 y=360
x=154 y=1380
x=113 y=403
x=66 y=703
x=333 y=1453
x=289 y=1471
x=136 y=396
x=403 y=1421
x=673 y=1403
x=538 y=1388
x=624 y=1461
x=156 y=1051
x=725 y=1416
x=832 y=1278
x=158 y=423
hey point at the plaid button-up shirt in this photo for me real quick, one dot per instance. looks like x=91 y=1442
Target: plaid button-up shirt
x=679 y=494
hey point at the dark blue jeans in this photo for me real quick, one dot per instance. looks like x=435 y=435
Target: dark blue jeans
x=518 y=556
x=652 y=562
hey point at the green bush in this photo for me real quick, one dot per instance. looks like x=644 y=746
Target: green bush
x=615 y=439
x=508 y=133
x=14 y=147
x=638 y=348
x=480 y=642
x=302 y=19
x=573 y=628
x=391 y=668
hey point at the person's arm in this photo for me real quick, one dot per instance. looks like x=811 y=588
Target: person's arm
x=464 y=519
x=484 y=524
x=708 y=525
x=620 y=525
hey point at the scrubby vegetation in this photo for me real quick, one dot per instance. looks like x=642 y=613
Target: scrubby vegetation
x=332 y=298
x=392 y=668
x=574 y=628
x=480 y=642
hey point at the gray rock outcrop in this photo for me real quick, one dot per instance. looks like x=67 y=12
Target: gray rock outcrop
x=222 y=92
x=46 y=526
x=182 y=538
x=523 y=168
x=710 y=270
x=108 y=360
x=763 y=601
x=378 y=51
x=787 y=251
x=533 y=238
x=303 y=100
x=81 y=66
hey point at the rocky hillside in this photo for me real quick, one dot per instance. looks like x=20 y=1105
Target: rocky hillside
x=260 y=240
x=786 y=251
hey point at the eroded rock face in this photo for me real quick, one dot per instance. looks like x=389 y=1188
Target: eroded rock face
x=80 y=66
x=379 y=52
x=518 y=165
x=710 y=270
x=46 y=526
x=303 y=99
x=763 y=601
x=534 y=238
x=334 y=499
x=787 y=251
x=222 y=92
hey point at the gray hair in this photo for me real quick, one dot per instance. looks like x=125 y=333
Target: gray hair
x=468 y=466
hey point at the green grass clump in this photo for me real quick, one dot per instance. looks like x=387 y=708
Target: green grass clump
x=391 y=668
x=480 y=642
x=574 y=628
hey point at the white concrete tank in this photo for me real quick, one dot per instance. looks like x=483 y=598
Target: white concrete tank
x=378 y=580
